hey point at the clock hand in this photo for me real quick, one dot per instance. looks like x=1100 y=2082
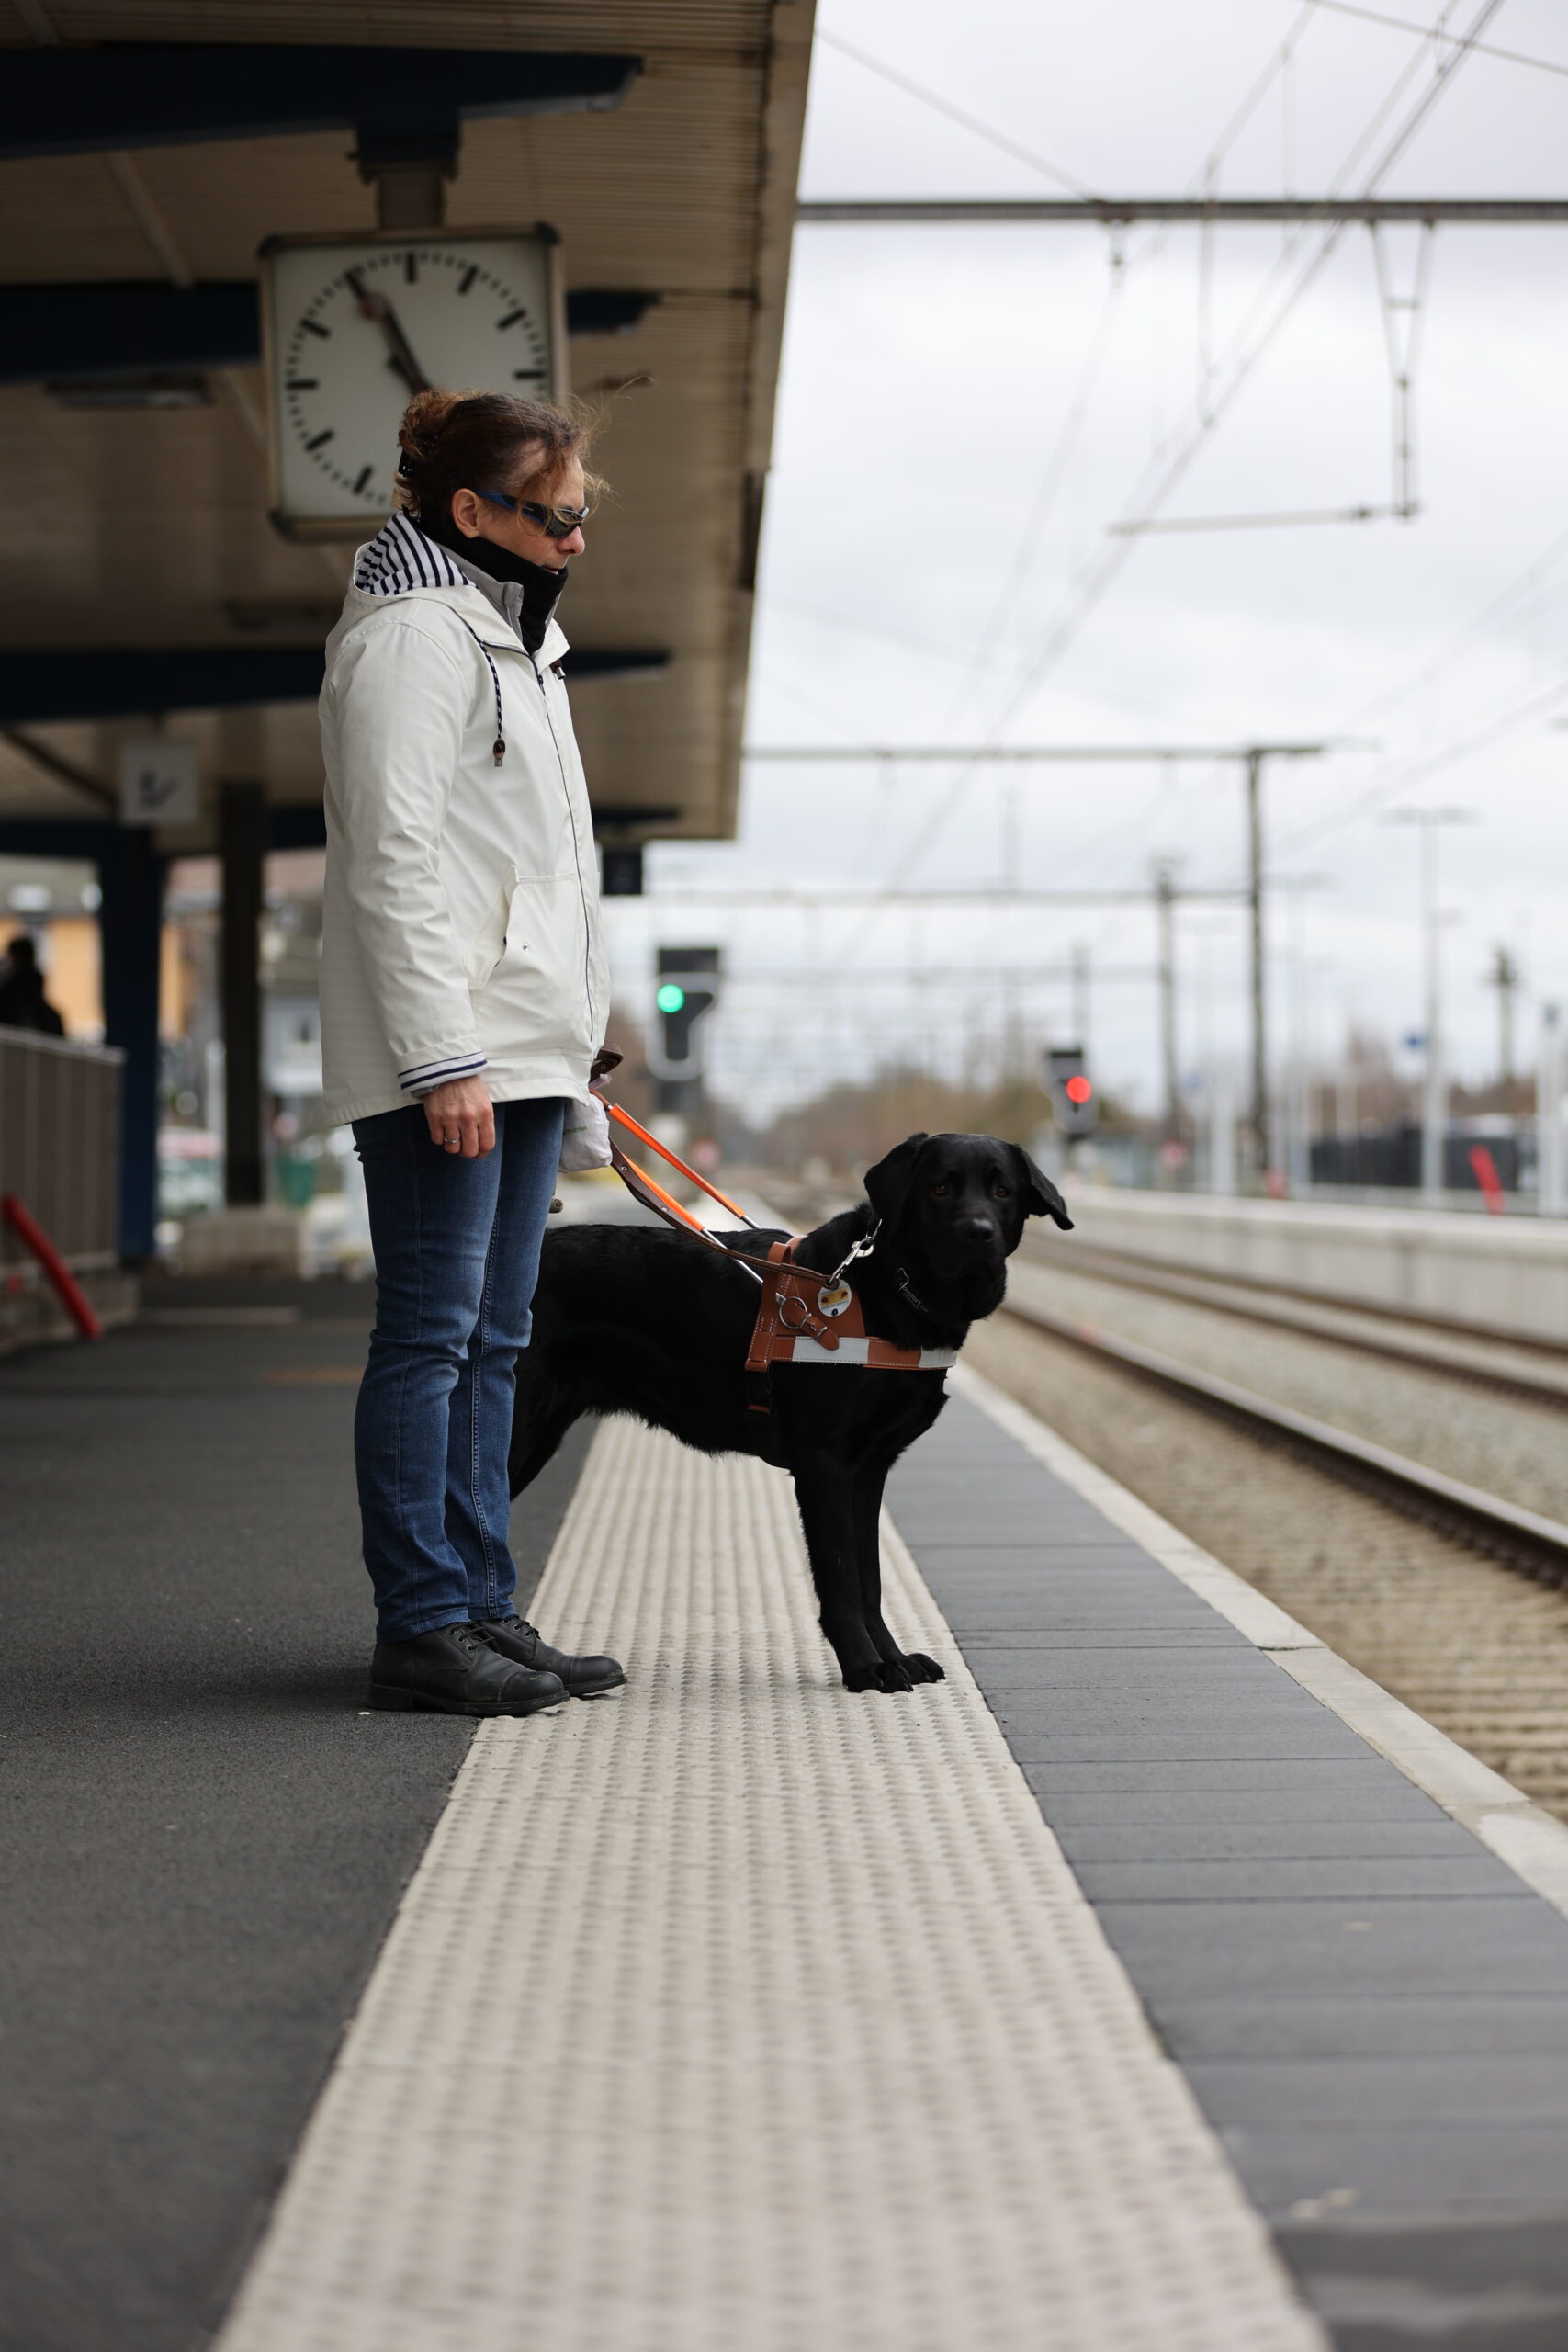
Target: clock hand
x=376 y=307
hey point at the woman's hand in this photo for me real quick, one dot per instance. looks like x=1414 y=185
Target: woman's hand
x=461 y=1117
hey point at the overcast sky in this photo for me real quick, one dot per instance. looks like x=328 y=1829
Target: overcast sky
x=964 y=411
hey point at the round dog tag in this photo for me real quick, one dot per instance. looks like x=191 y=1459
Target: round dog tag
x=834 y=1298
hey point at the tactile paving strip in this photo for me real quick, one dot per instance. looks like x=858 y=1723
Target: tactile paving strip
x=737 y=2014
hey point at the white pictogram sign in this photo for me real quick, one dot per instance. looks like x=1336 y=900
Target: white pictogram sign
x=158 y=782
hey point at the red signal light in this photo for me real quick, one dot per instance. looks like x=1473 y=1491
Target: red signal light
x=1078 y=1090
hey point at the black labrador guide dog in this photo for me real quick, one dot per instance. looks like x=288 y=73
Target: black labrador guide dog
x=630 y=1319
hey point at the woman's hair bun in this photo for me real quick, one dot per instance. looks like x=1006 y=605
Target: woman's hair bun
x=420 y=431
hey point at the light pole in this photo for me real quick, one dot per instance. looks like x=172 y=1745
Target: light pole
x=1218 y=1170
x=1170 y=1082
x=1551 y=1174
x=1505 y=978
x=1081 y=968
x=1255 y=755
x=1434 y=1101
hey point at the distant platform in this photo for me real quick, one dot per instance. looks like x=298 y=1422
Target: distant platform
x=1505 y=1275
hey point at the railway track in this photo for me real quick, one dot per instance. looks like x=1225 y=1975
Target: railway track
x=1448 y=1591
x=1525 y=1540
x=1531 y=1368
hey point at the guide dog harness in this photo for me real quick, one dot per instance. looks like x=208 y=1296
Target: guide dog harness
x=803 y=1317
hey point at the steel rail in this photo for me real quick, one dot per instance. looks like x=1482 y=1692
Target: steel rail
x=1524 y=1540
x=1196 y=1289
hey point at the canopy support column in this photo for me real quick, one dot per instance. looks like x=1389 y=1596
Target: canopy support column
x=242 y=841
x=130 y=877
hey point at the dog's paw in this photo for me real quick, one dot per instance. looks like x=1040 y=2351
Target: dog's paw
x=882 y=1674
x=921 y=1668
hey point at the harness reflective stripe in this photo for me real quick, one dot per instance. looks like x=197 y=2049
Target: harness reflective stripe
x=792 y=1326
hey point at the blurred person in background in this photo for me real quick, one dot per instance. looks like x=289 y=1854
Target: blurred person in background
x=23 y=1004
x=464 y=989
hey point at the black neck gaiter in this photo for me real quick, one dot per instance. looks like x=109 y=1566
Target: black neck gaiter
x=541 y=586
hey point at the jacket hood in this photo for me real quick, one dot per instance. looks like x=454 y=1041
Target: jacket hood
x=400 y=561
x=400 y=558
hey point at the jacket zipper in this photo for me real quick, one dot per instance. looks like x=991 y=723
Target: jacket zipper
x=576 y=850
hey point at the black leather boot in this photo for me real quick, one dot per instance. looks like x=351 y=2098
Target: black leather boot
x=585 y=1677
x=453 y=1672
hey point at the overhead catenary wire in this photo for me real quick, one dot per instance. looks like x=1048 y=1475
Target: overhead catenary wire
x=1496 y=608
x=1099 y=576
x=1508 y=719
x=933 y=98
x=1541 y=703
x=1057 y=464
x=1118 y=212
x=1477 y=734
x=1404 y=25
x=861 y=625
x=1095 y=579
x=1053 y=475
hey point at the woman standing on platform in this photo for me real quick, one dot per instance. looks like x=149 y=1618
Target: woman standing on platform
x=464 y=992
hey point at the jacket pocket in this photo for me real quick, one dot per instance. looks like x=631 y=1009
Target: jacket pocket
x=489 y=944
x=534 y=997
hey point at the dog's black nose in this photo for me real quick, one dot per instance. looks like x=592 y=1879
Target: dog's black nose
x=980 y=1228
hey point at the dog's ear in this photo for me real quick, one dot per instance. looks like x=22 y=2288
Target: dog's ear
x=887 y=1184
x=1041 y=1197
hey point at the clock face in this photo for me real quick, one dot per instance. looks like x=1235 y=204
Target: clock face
x=355 y=327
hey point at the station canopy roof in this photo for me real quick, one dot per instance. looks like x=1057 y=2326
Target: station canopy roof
x=144 y=585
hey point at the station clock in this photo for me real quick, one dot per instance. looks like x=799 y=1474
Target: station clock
x=354 y=326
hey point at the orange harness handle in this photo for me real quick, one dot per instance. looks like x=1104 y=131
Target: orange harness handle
x=652 y=1194
x=624 y=1119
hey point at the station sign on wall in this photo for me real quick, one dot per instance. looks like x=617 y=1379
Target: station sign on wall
x=160 y=782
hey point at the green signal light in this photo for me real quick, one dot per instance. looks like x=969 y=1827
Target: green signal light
x=670 y=996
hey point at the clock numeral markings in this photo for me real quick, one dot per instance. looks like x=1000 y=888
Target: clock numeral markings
x=470 y=275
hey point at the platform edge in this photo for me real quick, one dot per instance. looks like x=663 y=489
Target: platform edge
x=1532 y=1842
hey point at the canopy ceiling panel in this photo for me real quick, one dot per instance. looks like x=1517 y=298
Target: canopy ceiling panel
x=147 y=527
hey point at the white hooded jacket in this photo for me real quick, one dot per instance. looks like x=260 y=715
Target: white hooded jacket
x=460 y=925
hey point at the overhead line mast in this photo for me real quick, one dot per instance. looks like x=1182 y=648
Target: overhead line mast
x=1250 y=757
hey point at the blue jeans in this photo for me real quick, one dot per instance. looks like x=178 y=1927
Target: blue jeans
x=457 y=1245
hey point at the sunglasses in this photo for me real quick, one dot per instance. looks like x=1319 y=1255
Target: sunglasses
x=556 y=522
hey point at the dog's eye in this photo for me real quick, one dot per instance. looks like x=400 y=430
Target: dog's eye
x=940 y=1192
x=1001 y=1192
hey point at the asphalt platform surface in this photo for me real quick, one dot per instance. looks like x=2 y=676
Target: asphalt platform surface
x=203 y=1839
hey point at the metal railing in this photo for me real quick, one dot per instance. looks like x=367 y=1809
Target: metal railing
x=60 y=1145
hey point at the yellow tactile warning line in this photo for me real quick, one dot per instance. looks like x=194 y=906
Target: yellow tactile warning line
x=737 y=2014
